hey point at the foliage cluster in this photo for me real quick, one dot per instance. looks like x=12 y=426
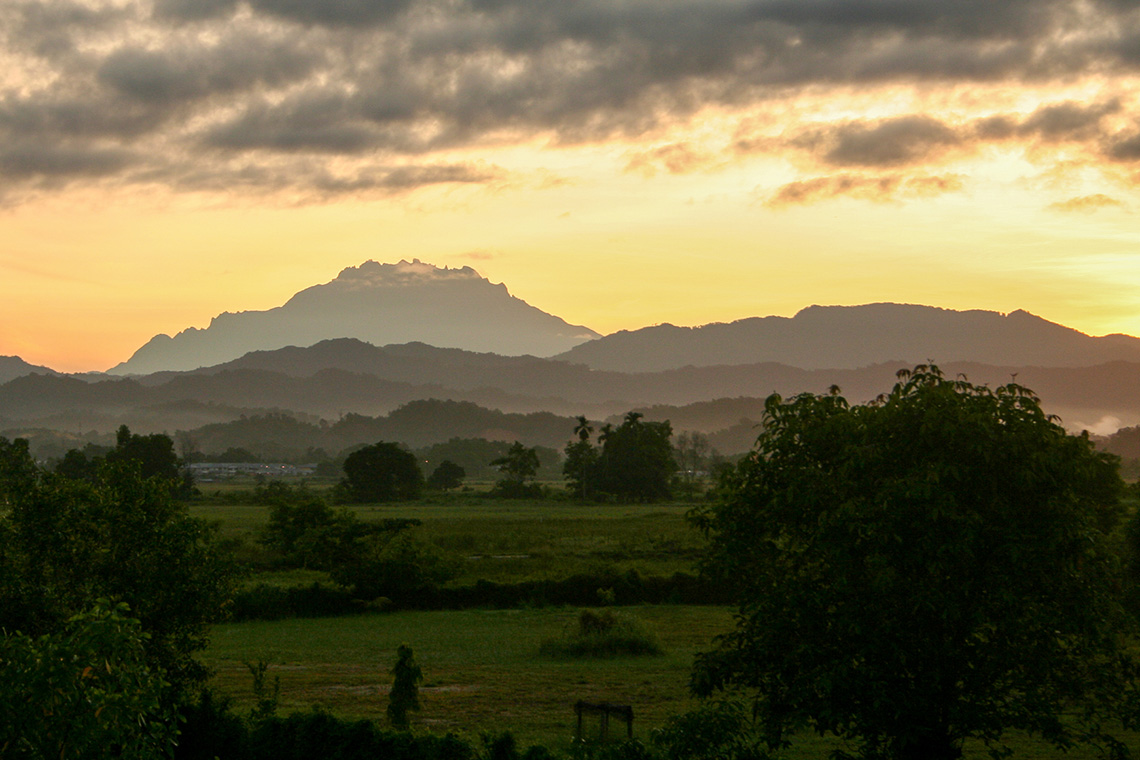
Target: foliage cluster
x=634 y=462
x=372 y=559
x=266 y=602
x=603 y=634
x=65 y=543
x=379 y=473
x=930 y=567
x=78 y=691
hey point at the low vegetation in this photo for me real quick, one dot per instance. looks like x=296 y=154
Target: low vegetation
x=523 y=597
x=603 y=634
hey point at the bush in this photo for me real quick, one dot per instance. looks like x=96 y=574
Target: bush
x=400 y=567
x=265 y=602
x=603 y=634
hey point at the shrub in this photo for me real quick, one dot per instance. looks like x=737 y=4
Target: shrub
x=405 y=694
x=603 y=634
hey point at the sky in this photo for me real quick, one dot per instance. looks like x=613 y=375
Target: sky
x=618 y=163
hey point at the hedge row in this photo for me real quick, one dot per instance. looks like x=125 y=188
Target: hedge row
x=265 y=602
x=211 y=731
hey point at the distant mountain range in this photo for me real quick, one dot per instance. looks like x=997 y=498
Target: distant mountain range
x=381 y=339
x=377 y=303
x=847 y=337
x=348 y=377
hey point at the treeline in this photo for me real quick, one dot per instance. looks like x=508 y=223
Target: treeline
x=268 y=602
x=417 y=425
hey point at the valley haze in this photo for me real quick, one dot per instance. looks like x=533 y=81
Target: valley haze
x=381 y=338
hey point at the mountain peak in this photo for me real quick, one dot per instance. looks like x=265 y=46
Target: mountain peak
x=404 y=272
x=380 y=304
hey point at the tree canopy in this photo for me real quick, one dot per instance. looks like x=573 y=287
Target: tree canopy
x=381 y=472
x=65 y=543
x=636 y=461
x=927 y=568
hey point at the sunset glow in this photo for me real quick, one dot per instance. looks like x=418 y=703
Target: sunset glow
x=618 y=164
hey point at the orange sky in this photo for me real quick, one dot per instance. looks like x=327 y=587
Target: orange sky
x=616 y=164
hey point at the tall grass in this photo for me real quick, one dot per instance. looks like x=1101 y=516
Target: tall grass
x=603 y=634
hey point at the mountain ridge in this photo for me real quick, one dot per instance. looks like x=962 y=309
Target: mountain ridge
x=848 y=337
x=377 y=303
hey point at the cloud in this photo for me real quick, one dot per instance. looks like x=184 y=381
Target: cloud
x=1086 y=203
x=678 y=158
x=186 y=72
x=876 y=188
x=891 y=142
x=249 y=87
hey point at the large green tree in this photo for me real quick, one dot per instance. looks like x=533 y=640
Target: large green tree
x=636 y=461
x=381 y=472
x=65 y=543
x=927 y=568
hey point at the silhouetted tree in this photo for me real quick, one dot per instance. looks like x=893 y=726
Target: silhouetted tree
x=154 y=453
x=581 y=460
x=446 y=476
x=931 y=567
x=381 y=472
x=636 y=461
x=519 y=465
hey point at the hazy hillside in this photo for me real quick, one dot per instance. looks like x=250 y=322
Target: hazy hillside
x=300 y=383
x=819 y=337
x=12 y=367
x=377 y=303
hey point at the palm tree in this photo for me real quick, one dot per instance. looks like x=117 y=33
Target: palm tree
x=583 y=429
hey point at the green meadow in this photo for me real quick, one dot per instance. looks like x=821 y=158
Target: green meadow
x=483 y=670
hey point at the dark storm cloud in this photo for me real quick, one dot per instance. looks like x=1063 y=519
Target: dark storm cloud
x=195 y=71
x=221 y=84
x=892 y=142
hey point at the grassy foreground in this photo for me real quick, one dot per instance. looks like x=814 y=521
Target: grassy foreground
x=482 y=668
x=483 y=672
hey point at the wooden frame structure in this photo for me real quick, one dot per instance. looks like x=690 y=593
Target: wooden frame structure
x=604 y=710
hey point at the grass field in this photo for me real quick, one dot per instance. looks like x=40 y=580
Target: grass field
x=515 y=540
x=482 y=669
x=483 y=672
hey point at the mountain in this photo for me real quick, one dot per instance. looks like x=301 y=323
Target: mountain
x=342 y=377
x=12 y=367
x=846 y=337
x=379 y=304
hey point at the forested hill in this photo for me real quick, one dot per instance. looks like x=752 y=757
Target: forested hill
x=317 y=384
x=820 y=337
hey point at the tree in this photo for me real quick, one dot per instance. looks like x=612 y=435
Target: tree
x=404 y=695
x=154 y=453
x=65 y=543
x=580 y=467
x=927 y=568
x=636 y=461
x=381 y=472
x=692 y=453
x=517 y=466
x=446 y=476
x=84 y=691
